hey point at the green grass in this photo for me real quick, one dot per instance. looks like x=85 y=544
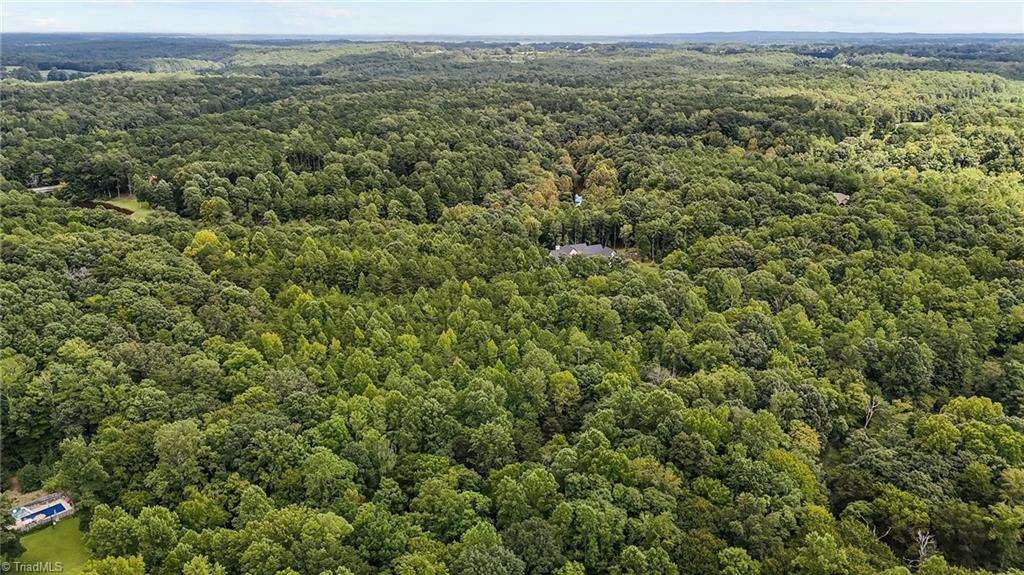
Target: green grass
x=139 y=209
x=61 y=542
x=137 y=77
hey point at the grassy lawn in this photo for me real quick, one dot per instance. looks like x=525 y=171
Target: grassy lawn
x=61 y=542
x=140 y=209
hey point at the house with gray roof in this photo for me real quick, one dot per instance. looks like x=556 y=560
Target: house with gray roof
x=585 y=250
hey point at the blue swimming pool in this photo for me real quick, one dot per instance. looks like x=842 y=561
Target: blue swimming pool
x=48 y=512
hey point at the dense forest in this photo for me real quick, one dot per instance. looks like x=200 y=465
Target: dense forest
x=334 y=341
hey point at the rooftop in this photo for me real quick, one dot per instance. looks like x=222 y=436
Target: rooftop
x=582 y=250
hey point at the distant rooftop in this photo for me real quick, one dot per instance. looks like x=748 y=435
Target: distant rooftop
x=585 y=250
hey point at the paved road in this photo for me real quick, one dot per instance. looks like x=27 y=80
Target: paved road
x=46 y=189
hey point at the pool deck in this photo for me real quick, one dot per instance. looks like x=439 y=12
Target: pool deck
x=43 y=511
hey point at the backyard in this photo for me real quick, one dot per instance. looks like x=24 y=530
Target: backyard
x=139 y=209
x=57 y=543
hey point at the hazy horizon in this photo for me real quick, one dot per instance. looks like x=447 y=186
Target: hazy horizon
x=510 y=36
x=532 y=19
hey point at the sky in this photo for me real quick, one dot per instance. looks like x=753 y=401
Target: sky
x=577 y=17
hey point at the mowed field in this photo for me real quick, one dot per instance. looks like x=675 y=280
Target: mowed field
x=139 y=209
x=57 y=543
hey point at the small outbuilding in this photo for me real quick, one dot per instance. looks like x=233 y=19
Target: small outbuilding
x=841 y=198
x=585 y=250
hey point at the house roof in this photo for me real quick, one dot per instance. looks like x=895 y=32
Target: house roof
x=582 y=250
x=841 y=198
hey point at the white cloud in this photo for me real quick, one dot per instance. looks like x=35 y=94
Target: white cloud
x=47 y=23
x=337 y=12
